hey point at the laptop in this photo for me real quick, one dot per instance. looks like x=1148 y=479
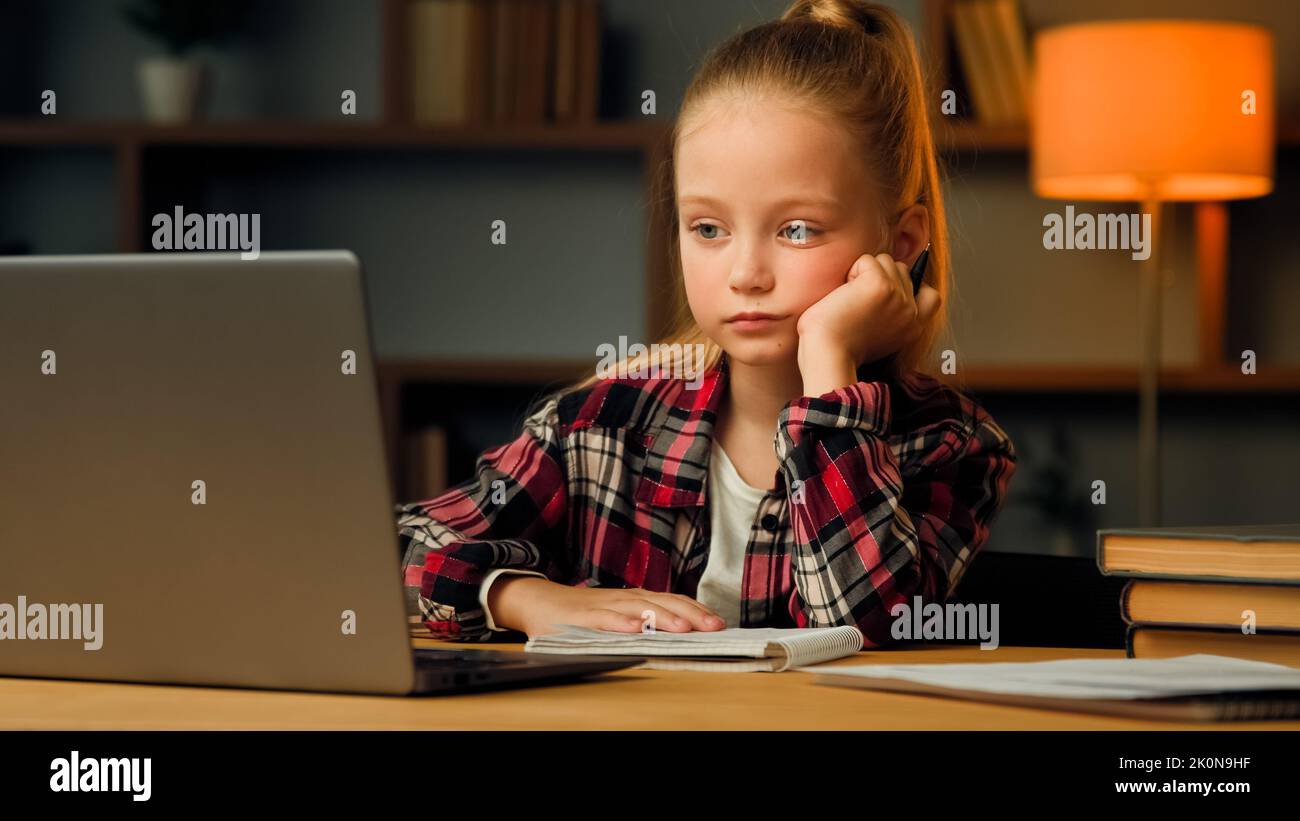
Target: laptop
x=193 y=484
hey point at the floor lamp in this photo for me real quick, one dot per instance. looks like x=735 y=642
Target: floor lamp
x=1152 y=111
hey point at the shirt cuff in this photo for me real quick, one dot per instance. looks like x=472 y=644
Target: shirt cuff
x=861 y=406
x=487 y=583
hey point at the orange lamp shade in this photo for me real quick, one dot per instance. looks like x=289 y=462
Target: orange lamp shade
x=1153 y=109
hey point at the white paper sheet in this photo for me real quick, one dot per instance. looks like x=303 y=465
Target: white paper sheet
x=1089 y=678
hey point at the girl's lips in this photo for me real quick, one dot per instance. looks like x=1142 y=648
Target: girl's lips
x=753 y=322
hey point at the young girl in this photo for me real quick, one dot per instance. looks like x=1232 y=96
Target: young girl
x=813 y=476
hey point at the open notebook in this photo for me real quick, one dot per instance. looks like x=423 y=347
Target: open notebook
x=734 y=650
x=1187 y=688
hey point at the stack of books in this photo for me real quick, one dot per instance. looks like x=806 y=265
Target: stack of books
x=994 y=55
x=1226 y=591
x=504 y=61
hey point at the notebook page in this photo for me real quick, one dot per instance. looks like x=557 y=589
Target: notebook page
x=1090 y=678
x=728 y=666
x=742 y=642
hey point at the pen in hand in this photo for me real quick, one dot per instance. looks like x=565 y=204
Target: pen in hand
x=918 y=270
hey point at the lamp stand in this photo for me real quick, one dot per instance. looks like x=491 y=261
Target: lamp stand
x=1149 y=376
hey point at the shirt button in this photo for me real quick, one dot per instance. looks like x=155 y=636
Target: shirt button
x=770 y=523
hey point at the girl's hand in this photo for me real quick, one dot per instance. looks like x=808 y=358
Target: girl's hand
x=872 y=315
x=535 y=605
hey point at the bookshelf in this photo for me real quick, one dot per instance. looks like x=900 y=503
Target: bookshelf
x=397 y=376
x=132 y=148
x=136 y=164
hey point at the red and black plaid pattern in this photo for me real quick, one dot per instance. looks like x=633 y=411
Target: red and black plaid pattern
x=894 y=485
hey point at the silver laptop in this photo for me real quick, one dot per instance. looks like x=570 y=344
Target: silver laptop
x=193 y=486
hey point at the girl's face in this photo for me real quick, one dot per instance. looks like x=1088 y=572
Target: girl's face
x=749 y=173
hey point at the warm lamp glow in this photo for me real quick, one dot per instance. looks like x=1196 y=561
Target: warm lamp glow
x=1152 y=110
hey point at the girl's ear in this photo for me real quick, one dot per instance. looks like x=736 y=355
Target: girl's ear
x=911 y=234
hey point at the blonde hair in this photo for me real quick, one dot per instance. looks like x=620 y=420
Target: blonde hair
x=852 y=60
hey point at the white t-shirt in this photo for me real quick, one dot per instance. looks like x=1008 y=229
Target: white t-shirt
x=733 y=506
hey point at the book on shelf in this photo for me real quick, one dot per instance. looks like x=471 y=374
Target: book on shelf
x=970 y=51
x=564 y=88
x=997 y=61
x=504 y=61
x=1015 y=44
x=440 y=60
x=501 y=59
x=477 y=80
x=994 y=55
x=587 y=41
x=426 y=462
x=537 y=24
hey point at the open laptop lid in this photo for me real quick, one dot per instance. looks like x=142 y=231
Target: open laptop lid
x=125 y=381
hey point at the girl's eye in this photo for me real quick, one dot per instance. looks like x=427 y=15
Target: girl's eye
x=796 y=232
x=701 y=227
x=799 y=232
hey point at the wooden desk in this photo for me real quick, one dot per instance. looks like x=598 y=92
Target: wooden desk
x=629 y=699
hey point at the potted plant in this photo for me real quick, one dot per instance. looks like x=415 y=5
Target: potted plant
x=172 y=86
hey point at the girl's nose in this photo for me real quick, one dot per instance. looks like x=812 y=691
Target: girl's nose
x=750 y=273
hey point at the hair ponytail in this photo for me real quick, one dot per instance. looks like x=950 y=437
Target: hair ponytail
x=900 y=117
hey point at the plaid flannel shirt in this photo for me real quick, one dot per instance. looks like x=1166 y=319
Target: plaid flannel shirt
x=899 y=479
